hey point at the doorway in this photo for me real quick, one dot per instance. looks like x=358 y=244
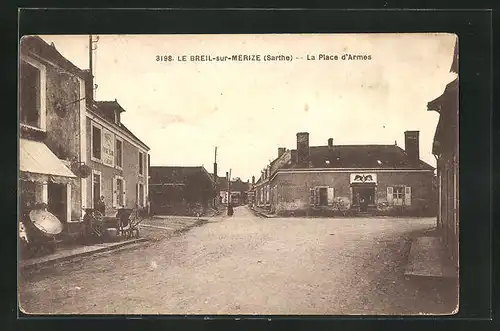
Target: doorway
x=363 y=196
x=57 y=201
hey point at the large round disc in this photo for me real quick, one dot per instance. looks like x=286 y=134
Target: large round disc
x=46 y=222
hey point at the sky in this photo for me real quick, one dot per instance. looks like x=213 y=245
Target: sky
x=183 y=109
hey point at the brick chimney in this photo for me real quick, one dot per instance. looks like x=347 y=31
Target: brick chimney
x=89 y=87
x=302 y=148
x=330 y=142
x=412 y=145
x=281 y=151
x=253 y=180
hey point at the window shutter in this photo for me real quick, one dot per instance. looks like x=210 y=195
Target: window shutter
x=124 y=193
x=330 y=196
x=316 y=201
x=389 y=194
x=312 y=196
x=114 y=190
x=136 y=194
x=408 y=195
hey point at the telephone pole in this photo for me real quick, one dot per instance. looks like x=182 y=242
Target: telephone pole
x=228 y=191
x=216 y=179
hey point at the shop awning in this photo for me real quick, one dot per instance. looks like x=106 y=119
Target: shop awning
x=39 y=164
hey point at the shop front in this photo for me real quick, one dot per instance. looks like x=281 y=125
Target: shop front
x=44 y=179
x=363 y=191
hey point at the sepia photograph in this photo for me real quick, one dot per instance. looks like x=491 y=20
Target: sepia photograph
x=239 y=174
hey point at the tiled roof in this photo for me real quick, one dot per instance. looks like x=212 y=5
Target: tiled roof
x=39 y=47
x=361 y=156
x=176 y=174
x=107 y=108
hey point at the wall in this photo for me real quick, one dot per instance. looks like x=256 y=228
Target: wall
x=293 y=190
x=63 y=124
x=129 y=172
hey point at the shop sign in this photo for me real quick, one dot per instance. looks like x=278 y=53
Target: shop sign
x=363 y=178
x=108 y=148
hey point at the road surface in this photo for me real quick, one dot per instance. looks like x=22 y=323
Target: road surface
x=249 y=265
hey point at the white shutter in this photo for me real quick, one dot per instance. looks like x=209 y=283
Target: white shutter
x=330 y=196
x=312 y=196
x=389 y=194
x=114 y=191
x=316 y=200
x=124 y=199
x=408 y=195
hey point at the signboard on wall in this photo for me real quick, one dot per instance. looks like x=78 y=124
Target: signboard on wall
x=363 y=178
x=108 y=148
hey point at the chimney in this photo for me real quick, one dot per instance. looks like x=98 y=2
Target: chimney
x=281 y=151
x=302 y=148
x=412 y=145
x=253 y=180
x=330 y=142
x=89 y=87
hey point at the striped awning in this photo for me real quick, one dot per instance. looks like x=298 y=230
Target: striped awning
x=37 y=163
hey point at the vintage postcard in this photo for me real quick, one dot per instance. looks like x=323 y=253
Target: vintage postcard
x=279 y=174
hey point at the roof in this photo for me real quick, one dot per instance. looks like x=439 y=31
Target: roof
x=363 y=157
x=38 y=47
x=36 y=158
x=176 y=174
x=450 y=94
x=109 y=106
x=105 y=109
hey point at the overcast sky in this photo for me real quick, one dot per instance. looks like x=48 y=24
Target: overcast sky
x=182 y=110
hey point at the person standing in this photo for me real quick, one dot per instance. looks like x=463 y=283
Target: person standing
x=101 y=205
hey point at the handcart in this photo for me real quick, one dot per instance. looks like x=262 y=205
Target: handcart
x=129 y=221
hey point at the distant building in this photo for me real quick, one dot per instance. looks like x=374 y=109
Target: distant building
x=331 y=179
x=180 y=190
x=446 y=149
x=239 y=191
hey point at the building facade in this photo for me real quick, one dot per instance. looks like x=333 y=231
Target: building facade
x=52 y=111
x=181 y=190
x=347 y=179
x=446 y=149
x=239 y=191
x=119 y=160
x=73 y=149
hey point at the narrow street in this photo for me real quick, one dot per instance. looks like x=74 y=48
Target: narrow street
x=245 y=264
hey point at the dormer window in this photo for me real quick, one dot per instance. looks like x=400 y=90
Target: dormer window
x=117 y=117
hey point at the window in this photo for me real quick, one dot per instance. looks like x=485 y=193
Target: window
x=119 y=153
x=96 y=142
x=323 y=196
x=399 y=195
x=141 y=164
x=32 y=94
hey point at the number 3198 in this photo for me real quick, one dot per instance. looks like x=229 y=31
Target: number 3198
x=164 y=58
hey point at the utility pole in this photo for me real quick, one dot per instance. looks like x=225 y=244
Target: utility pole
x=228 y=191
x=216 y=178
x=91 y=46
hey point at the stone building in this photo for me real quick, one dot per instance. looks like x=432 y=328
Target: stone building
x=51 y=115
x=119 y=160
x=446 y=149
x=340 y=179
x=177 y=190
x=73 y=149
